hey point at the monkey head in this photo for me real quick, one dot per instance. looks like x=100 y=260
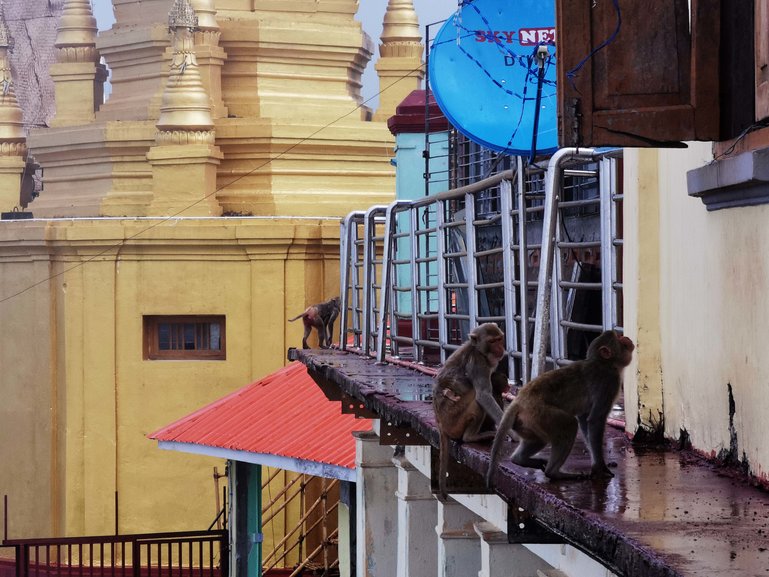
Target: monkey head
x=610 y=347
x=489 y=339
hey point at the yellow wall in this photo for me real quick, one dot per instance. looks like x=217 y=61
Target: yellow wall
x=710 y=279
x=77 y=399
x=72 y=369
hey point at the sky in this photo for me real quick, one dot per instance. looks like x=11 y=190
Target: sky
x=370 y=14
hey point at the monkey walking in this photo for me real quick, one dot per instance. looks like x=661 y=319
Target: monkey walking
x=322 y=317
x=550 y=408
x=463 y=393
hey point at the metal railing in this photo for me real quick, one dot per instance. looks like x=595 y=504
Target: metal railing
x=418 y=275
x=180 y=554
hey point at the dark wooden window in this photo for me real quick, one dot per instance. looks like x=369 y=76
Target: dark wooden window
x=638 y=73
x=191 y=337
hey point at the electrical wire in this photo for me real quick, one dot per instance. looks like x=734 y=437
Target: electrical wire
x=166 y=219
x=572 y=74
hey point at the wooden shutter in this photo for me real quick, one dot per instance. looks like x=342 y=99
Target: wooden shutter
x=762 y=58
x=654 y=84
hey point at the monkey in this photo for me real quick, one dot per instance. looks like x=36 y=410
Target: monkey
x=463 y=392
x=500 y=389
x=550 y=408
x=322 y=317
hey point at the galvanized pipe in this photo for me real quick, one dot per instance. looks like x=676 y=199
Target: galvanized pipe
x=553 y=179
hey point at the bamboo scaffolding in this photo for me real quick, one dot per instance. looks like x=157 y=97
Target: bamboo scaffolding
x=305 y=563
x=282 y=549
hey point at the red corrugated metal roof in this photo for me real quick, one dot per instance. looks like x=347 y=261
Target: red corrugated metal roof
x=283 y=414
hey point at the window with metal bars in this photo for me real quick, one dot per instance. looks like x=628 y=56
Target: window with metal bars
x=190 y=337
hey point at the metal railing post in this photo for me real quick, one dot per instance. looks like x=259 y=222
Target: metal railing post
x=506 y=225
x=370 y=278
x=523 y=272
x=347 y=291
x=470 y=270
x=608 y=170
x=387 y=294
x=440 y=223
x=415 y=278
x=553 y=181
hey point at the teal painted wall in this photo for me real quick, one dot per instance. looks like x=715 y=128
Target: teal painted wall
x=410 y=185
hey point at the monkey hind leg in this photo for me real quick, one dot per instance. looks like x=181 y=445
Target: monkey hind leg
x=469 y=437
x=524 y=454
x=562 y=441
x=320 y=328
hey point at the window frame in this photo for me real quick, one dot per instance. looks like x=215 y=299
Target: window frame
x=151 y=345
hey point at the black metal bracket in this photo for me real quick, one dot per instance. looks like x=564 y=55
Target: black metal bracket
x=460 y=479
x=353 y=406
x=523 y=528
x=397 y=434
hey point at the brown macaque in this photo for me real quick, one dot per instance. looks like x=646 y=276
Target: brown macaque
x=322 y=317
x=549 y=409
x=463 y=392
x=500 y=389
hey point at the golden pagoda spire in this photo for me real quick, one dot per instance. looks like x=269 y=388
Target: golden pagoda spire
x=209 y=54
x=12 y=136
x=185 y=158
x=400 y=26
x=13 y=141
x=77 y=74
x=206 y=12
x=400 y=55
x=76 y=37
x=185 y=113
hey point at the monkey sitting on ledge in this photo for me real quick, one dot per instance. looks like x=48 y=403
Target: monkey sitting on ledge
x=550 y=408
x=322 y=317
x=464 y=392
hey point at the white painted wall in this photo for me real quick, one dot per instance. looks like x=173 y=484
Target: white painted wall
x=711 y=282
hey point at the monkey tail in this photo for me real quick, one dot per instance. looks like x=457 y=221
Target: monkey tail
x=296 y=317
x=443 y=466
x=505 y=424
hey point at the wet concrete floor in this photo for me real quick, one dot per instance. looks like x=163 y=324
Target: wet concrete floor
x=666 y=512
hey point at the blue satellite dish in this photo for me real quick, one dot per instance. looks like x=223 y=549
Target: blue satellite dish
x=485 y=74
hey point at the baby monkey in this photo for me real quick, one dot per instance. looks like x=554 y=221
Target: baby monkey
x=463 y=393
x=549 y=409
x=322 y=317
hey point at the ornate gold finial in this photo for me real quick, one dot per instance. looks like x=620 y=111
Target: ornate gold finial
x=76 y=37
x=185 y=112
x=182 y=15
x=400 y=23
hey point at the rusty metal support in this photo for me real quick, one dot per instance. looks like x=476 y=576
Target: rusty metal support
x=523 y=528
x=353 y=406
x=460 y=479
x=391 y=433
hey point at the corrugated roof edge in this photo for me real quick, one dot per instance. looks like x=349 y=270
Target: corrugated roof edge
x=262 y=423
